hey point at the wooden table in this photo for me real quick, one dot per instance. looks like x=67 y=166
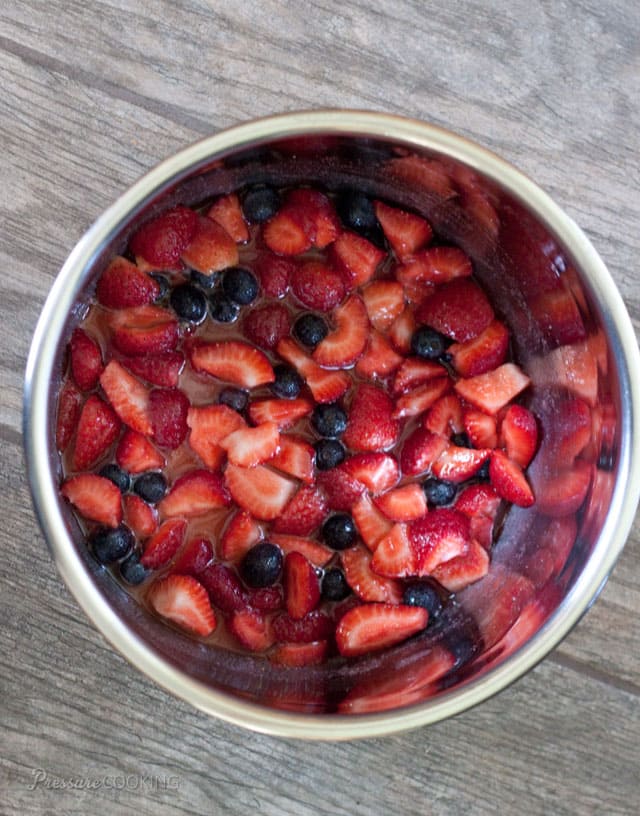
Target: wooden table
x=93 y=94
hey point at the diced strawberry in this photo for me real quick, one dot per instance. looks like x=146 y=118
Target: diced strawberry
x=275 y=274
x=356 y=258
x=379 y=359
x=251 y=629
x=285 y=235
x=519 y=434
x=456 y=464
x=123 y=284
x=370 y=522
x=341 y=489
x=161 y=369
x=509 y=480
x=395 y=557
x=266 y=599
x=143 y=330
x=224 y=587
x=69 y=408
x=183 y=600
x=300 y=654
x=415 y=372
x=558 y=316
x=259 y=490
x=568 y=430
x=458 y=309
x=325 y=386
x=421 y=449
x=377 y=471
x=210 y=249
x=371 y=425
x=95 y=498
x=481 y=429
x=405 y=503
x=317 y=286
x=459 y=572
x=342 y=347
x=384 y=302
x=435 y=265
x=572 y=367
x=376 y=626
x=303 y=513
x=367 y=585
x=233 y=361
x=480 y=503
x=252 y=446
x=402 y=330
x=195 y=493
x=427 y=175
x=135 y=453
x=239 y=536
x=492 y=391
x=301 y=585
x=437 y=537
x=484 y=353
x=227 y=212
x=161 y=240
x=98 y=428
x=209 y=425
x=139 y=517
x=445 y=416
x=421 y=398
x=405 y=231
x=317 y=553
x=267 y=325
x=414 y=291
x=319 y=210
x=563 y=494
x=168 y=411
x=164 y=543
x=86 y=360
x=295 y=457
x=314 y=626
x=284 y=412
x=194 y=557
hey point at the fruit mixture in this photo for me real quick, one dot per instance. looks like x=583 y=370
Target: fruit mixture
x=290 y=418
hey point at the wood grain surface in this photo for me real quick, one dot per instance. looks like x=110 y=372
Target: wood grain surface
x=96 y=92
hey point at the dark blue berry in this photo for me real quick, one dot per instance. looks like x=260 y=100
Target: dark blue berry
x=356 y=211
x=240 y=285
x=462 y=647
x=329 y=420
x=132 y=571
x=150 y=486
x=438 y=492
x=428 y=343
x=310 y=329
x=339 y=531
x=259 y=204
x=118 y=476
x=483 y=474
x=262 y=565
x=222 y=309
x=189 y=303
x=163 y=284
x=329 y=453
x=423 y=593
x=234 y=398
x=111 y=544
x=287 y=384
x=334 y=585
x=205 y=281
x=461 y=440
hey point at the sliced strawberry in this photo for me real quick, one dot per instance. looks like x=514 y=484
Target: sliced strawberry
x=573 y=367
x=377 y=471
x=314 y=626
x=183 y=600
x=456 y=464
x=370 y=522
x=161 y=369
x=210 y=249
x=509 y=594
x=405 y=503
x=139 y=517
x=303 y=513
x=421 y=398
x=69 y=408
x=379 y=359
x=239 y=536
x=405 y=231
x=86 y=360
x=459 y=572
x=195 y=493
x=458 y=309
x=95 y=498
x=194 y=557
x=301 y=585
x=161 y=240
x=224 y=587
x=285 y=235
x=445 y=416
x=384 y=302
x=168 y=411
x=267 y=325
x=421 y=449
x=341 y=489
x=357 y=258
x=98 y=428
x=227 y=212
x=519 y=434
x=568 y=430
x=325 y=386
x=492 y=391
x=441 y=535
x=233 y=361
x=414 y=291
x=367 y=585
x=267 y=599
x=252 y=446
x=561 y=535
x=509 y=480
x=144 y=330
x=376 y=626
x=314 y=207
x=342 y=347
x=558 y=315
x=164 y=543
x=427 y=175
x=481 y=429
x=284 y=412
x=415 y=372
x=251 y=629
x=300 y=654
x=259 y=490
x=402 y=330
x=317 y=286
x=318 y=554
x=123 y=284
x=484 y=353
x=135 y=453
x=371 y=425
x=480 y=503
x=209 y=425
x=395 y=556
x=563 y=494
x=275 y=274
x=440 y=264
x=295 y=457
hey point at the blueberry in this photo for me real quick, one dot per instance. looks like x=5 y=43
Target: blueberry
x=132 y=571
x=222 y=309
x=329 y=453
x=259 y=204
x=310 y=329
x=163 y=283
x=287 y=384
x=423 y=593
x=462 y=648
x=329 y=420
x=111 y=544
x=234 y=398
x=118 y=476
x=356 y=211
x=150 y=486
x=240 y=285
x=339 y=531
x=428 y=343
x=262 y=565
x=189 y=303
x=461 y=440
x=483 y=474
x=334 y=585
x=438 y=492
x=205 y=281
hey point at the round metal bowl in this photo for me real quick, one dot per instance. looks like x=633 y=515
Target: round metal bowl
x=523 y=247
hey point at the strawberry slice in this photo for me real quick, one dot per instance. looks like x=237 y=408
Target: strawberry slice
x=251 y=629
x=405 y=231
x=573 y=367
x=259 y=490
x=313 y=206
x=342 y=347
x=509 y=480
x=445 y=416
x=440 y=264
x=194 y=557
x=240 y=535
x=161 y=240
x=418 y=172
x=224 y=587
x=194 y=494
x=209 y=425
x=98 y=428
x=405 y=503
x=395 y=556
x=295 y=457
x=233 y=361
x=456 y=464
x=95 y=498
x=168 y=411
x=458 y=309
x=300 y=654
x=211 y=248
x=492 y=391
x=69 y=408
x=509 y=594
x=377 y=471
x=484 y=353
x=325 y=386
x=519 y=434
x=316 y=553
x=318 y=286
x=161 y=369
x=303 y=513
x=357 y=258
x=284 y=234
x=370 y=522
x=123 y=284
x=341 y=489
x=275 y=274
x=371 y=425
x=164 y=543
x=441 y=535
x=379 y=359
x=314 y=626
x=267 y=325
x=301 y=585
x=558 y=315
x=227 y=212
x=367 y=585
x=415 y=372
x=266 y=599
x=384 y=302
x=480 y=503
x=284 y=412
x=402 y=330
x=252 y=446
x=481 y=429
x=86 y=360
x=568 y=430
x=376 y=626
x=421 y=449
x=184 y=601
x=563 y=494
x=144 y=330
x=421 y=398
x=139 y=517
x=135 y=453
x=459 y=572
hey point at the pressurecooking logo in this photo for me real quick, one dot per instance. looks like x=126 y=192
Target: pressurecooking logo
x=130 y=782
